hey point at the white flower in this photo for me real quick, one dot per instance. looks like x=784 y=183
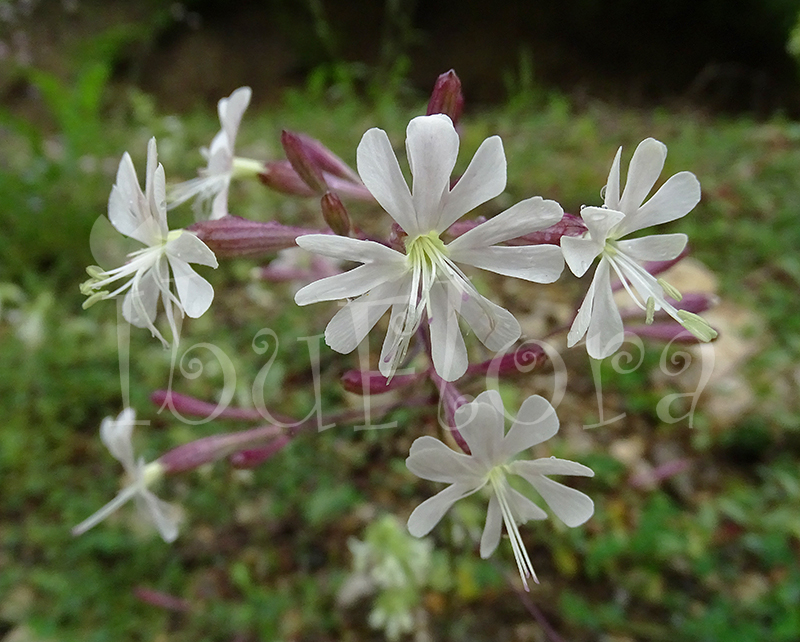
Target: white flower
x=143 y=217
x=620 y=216
x=481 y=423
x=116 y=435
x=215 y=179
x=427 y=279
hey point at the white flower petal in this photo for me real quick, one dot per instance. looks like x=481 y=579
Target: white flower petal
x=530 y=215
x=600 y=222
x=204 y=187
x=493 y=528
x=116 y=436
x=643 y=172
x=658 y=247
x=580 y=253
x=494 y=326
x=378 y=167
x=611 y=196
x=187 y=247
x=139 y=304
x=571 y=506
x=393 y=350
x=194 y=292
x=430 y=512
x=220 y=159
x=484 y=179
x=432 y=148
x=158 y=200
x=584 y=317
x=523 y=509
x=219 y=206
x=352 y=323
x=165 y=517
x=493 y=398
x=536 y=422
x=122 y=497
x=448 y=351
x=606 y=333
x=347 y=249
x=152 y=165
x=675 y=199
x=231 y=110
x=127 y=205
x=536 y=263
x=550 y=466
x=483 y=427
x=430 y=459
x=347 y=285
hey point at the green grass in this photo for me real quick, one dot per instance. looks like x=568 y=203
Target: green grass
x=264 y=553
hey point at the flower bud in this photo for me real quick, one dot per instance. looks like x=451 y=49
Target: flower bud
x=233 y=236
x=450 y=400
x=374 y=383
x=282 y=177
x=186 y=405
x=569 y=225
x=253 y=457
x=447 y=97
x=215 y=447
x=326 y=160
x=665 y=332
x=526 y=358
x=698 y=301
x=335 y=214
x=694 y=302
x=162 y=600
x=302 y=162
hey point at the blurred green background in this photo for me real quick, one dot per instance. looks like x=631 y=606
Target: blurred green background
x=707 y=554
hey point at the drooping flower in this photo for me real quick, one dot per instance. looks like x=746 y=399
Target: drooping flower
x=215 y=179
x=116 y=435
x=482 y=424
x=143 y=217
x=427 y=278
x=598 y=317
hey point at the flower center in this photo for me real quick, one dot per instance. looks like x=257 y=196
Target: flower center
x=426 y=256
x=428 y=262
x=425 y=249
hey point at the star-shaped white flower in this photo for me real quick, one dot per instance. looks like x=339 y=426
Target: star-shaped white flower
x=116 y=435
x=215 y=179
x=598 y=317
x=482 y=424
x=427 y=278
x=143 y=217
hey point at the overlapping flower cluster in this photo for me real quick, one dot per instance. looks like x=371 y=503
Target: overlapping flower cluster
x=420 y=275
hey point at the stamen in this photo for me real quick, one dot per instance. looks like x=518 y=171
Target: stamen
x=499 y=486
x=697 y=325
x=624 y=280
x=669 y=290
x=651 y=310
